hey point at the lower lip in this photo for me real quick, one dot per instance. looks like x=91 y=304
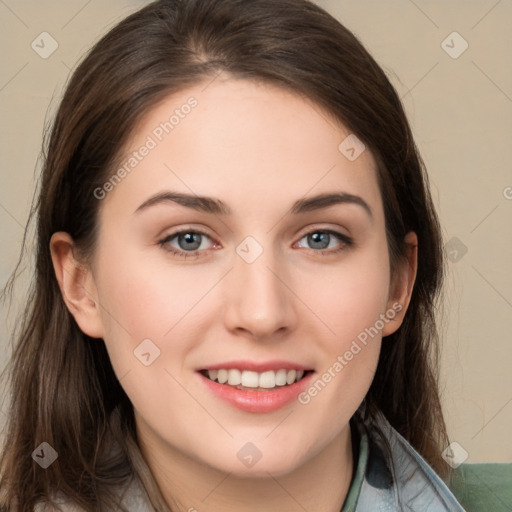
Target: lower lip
x=258 y=401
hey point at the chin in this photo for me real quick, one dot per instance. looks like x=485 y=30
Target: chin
x=249 y=461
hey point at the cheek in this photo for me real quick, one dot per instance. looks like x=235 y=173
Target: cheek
x=350 y=353
x=354 y=299
x=143 y=298
x=352 y=294
x=146 y=311
x=141 y=301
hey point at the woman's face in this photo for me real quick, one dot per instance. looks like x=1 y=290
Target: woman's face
x=266 y=278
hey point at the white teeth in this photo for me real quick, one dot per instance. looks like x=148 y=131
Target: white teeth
x=290 y=378
x=268 y=379
x=249 y=379
x=234 y=377
x=281 y=377
x=222 y=376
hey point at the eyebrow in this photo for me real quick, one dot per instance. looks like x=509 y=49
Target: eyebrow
x=218 y=207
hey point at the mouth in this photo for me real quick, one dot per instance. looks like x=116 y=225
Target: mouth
x=256 y=387
x=249 y=380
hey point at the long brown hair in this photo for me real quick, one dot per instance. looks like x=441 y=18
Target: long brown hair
x=64 y=390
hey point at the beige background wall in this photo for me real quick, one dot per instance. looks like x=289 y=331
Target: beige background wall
x=460 y=110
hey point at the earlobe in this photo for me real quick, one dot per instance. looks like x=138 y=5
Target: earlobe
x=76 y=285
x=402 y=286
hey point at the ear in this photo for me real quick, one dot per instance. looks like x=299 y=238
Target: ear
x=76 y=284
x=402 y=285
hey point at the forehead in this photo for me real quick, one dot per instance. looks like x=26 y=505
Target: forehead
x=250 y=144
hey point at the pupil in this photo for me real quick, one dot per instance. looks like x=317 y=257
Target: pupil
x=320 y=240
x=192 y=238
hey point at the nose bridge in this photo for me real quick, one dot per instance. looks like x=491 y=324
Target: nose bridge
x=258 y=300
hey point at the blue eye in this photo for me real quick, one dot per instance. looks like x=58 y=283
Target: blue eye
x=190 y=242
x=321 y=239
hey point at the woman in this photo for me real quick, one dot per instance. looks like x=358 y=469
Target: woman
x=285 y=359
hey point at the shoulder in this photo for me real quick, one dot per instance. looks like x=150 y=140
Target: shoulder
x=398 y=477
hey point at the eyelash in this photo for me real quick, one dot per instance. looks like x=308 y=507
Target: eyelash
x=347 y=242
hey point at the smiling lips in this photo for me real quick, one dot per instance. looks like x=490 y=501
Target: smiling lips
x=252 y=375
x=255 y=380
x=256 y=387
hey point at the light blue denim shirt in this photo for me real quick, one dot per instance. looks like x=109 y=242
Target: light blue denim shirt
x=390 y=476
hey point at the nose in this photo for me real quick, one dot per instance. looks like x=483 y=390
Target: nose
x=258 y=297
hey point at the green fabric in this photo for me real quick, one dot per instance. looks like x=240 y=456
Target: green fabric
x=483 y=487
x=357 y=481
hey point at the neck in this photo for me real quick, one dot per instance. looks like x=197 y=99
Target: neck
x=187 y=485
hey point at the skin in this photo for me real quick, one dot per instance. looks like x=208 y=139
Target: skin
x=259 y=149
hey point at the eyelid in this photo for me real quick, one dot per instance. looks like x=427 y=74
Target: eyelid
x=324 y=229
x=344 y=239
x=163 y=240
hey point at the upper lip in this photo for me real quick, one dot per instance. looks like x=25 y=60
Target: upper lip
x=254 y=366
